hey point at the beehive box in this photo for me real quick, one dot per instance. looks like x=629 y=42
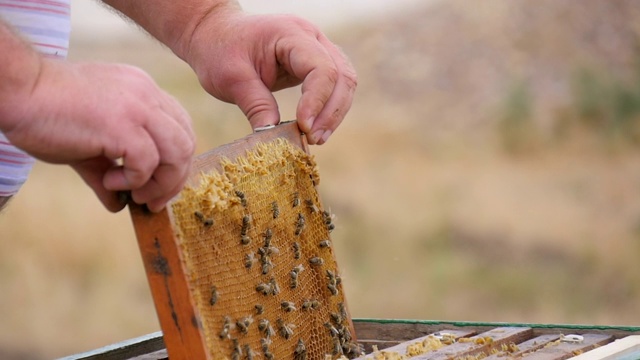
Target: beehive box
x=241 y=263
x=458 y=340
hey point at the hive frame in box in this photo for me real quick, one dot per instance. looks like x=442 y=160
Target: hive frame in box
x=163 y=262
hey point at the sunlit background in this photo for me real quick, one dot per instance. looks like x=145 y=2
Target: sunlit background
x=489 y=171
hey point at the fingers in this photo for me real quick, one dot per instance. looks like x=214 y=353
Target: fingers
x=156 y=156
x=336 y=107
x=175 y=150
x=328 y=86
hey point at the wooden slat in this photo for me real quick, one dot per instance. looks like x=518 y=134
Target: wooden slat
x=566 y=350
x=623 y=349
x=503 y=335
x=156 y=355
x=401 y=331
x=167 y=279
x=526 y=347
x=123 y=350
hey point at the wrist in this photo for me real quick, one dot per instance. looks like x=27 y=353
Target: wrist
x=20 y=70
x=218 y=13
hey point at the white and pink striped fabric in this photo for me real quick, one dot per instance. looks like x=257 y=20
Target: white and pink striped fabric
x=47 y=25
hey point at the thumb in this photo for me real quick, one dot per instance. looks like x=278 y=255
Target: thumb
x=256 y=101
x=92 y=172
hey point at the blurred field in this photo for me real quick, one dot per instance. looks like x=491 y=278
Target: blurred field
x=489 y=170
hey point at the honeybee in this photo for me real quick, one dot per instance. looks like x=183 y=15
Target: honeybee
x=208 y=222
x=226 y=328
x=331 y=227
x=265 y=327
x=264 y=343
x=353 y=348
x=199 y=215
x=328 y=218
x=249 y=259
x=343 y=311
x=300 y=352
x=243 y=199
x=245 y=240
x=245 y=224
x=299 y=224
x=266 y=265
x=275 y=209
x=298 y=268
x=333 y=289
x=310 y=304
x=316 y=261
x=346 y=334
x=275 y=288
x=263 y=288
x=337 y=347
x=293 y=282
x=267 y=237
x=334 y=332
x=288 y=306
x=336 y=318
x=237 y=351
x=324 y=244
x=296 y=250
x=331 y=276
x=296 y=199
x=285 y=330
x=271 y=250
x=248 y=352
x=311 y=206
x=259 y=309
x=243 y=324
x=214 y=295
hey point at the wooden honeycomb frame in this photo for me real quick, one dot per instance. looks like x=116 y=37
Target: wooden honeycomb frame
x=184 y=303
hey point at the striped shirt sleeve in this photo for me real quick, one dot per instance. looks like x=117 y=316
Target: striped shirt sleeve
x=46 y=24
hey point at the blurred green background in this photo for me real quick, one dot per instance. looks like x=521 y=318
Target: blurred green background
x=489 y=170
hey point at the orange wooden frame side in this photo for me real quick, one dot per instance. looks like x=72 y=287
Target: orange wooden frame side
x=179 y=318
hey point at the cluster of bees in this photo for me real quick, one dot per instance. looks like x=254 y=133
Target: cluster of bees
x=260 y=251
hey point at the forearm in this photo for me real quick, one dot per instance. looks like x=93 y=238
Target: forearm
x=173 y=22
x=19 y=70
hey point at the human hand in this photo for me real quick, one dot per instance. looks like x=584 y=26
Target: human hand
x=113 y=125
x=242 y=59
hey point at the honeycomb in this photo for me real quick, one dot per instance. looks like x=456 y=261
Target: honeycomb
x=256 y=244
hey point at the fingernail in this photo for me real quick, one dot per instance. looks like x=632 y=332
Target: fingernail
x=308 y=124
x=317 y=136
x=325 y=136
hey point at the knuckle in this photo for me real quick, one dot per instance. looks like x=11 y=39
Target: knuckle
x=351 y=79
x=332 y=73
